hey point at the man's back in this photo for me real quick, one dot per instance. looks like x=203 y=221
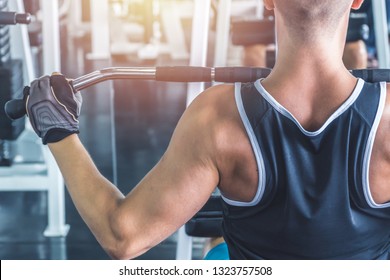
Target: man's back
x=282 y=177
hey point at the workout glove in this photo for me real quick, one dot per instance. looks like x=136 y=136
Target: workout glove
x=53 y=108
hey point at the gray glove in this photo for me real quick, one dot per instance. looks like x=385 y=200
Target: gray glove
x=53 y=108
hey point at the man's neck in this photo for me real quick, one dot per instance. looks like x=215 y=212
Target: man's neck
x=312 y=65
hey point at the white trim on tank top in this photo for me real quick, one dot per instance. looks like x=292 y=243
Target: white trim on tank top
x=256 y=150
x=351 y=99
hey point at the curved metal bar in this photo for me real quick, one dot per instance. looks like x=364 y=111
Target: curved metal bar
x=141 y=73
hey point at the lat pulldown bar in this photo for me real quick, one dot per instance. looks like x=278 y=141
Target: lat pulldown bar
x=16 y=109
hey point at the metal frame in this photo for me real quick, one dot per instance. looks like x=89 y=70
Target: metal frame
x=223 y=32
x=381 y=33
x=200 y=31
x=42 y=174
x=100 y=30
x=20 y=42
x=51 y=36
x=199 y=40
x=171 y=16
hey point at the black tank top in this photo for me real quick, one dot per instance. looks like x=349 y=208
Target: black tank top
x=313 y=199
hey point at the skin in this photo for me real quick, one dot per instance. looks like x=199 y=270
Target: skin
x=210 y=147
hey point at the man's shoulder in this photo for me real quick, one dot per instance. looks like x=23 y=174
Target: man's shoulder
x=215 y=112
x=217 y=95
x=215 y=102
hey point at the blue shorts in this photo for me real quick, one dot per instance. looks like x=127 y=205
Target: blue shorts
x=219 y=252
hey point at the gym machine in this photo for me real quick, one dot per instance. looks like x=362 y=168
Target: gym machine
x=11 y=82
x=30 y=166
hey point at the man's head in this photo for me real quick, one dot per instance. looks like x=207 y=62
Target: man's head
x=308 y=19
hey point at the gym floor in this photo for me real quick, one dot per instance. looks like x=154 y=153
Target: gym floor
x=145 y=113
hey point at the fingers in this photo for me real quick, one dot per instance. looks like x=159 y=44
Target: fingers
x=26 y=96
x=63 y=94
x=41 y=83
x=58 y=77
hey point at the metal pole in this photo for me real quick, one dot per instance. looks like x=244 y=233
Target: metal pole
x=223 y=31
x=381 y=33
x=51 y=36
x=75 y=18
x=199 y=40
x=21 y=43
x=100 y=30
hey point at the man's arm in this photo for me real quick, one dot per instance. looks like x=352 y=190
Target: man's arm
x=170 y=194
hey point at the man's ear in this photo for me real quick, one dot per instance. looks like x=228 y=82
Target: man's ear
x=269 y=4
x=357 y=4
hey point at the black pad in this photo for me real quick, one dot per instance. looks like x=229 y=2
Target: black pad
x=208 y=221
x=358 y=28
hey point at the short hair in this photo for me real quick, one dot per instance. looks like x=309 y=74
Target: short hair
x=306 y=18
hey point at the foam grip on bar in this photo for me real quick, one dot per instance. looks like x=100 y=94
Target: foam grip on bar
x=11 y=18
x=15 y=109
x=240 y=74
x=183 y=74
x=373 y=75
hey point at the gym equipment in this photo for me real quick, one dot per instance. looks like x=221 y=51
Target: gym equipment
x=15 y=109
x=381 y=33
x=11 y=82
x=31 y=167
x=8 y=18
x=358 y=27
x=208 y=221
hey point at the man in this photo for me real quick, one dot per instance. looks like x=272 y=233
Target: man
x=302 y=158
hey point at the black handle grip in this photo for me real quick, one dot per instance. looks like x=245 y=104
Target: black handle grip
x=373 y=75
x=240 y=74
x=15 y=109
x=184 y=74
x=11 y=18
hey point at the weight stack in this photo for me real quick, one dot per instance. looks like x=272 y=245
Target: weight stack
x=11 y=81
x=11 y=87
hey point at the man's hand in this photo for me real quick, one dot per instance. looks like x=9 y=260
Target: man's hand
x=53 y=108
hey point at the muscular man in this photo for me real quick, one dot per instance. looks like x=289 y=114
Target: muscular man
x=302 y=158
